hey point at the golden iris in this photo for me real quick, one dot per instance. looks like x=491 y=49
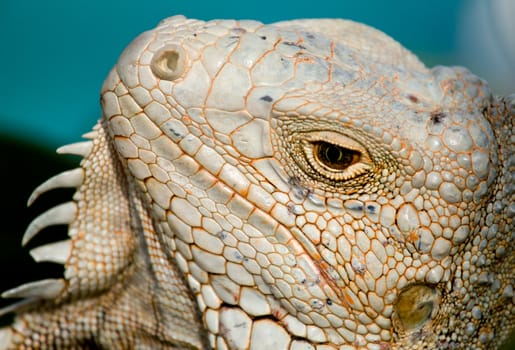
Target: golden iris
x=333 y=156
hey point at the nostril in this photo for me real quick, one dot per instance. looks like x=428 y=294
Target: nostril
x=169 y=62
x=415 y=306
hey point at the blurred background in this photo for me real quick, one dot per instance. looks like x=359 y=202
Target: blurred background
x=55 y=54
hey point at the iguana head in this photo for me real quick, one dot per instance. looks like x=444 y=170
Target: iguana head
x=358 y=194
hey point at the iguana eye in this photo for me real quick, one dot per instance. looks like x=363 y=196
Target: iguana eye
x=335 y=156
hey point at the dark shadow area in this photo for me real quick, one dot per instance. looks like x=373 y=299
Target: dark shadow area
x=24 y=167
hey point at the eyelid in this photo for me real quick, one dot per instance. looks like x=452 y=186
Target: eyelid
x=336 y=139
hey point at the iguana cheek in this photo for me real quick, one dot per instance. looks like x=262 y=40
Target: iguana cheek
x=415 y=306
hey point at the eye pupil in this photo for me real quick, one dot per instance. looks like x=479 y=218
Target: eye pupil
x=334 y=156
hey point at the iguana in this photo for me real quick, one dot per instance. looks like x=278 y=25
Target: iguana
x=307 y=184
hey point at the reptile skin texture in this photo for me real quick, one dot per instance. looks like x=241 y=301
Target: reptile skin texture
x=301 y=185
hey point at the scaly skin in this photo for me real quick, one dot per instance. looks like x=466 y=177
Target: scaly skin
x=302 y=185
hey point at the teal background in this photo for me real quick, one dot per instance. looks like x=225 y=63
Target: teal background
x=54 y=55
